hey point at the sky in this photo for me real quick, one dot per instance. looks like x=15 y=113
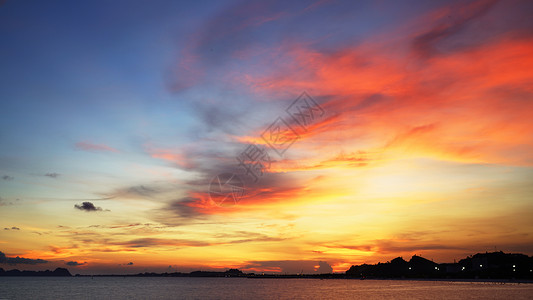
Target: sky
x=272 y=136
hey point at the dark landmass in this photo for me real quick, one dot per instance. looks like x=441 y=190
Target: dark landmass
x=481 y=266
x=494 y=265
x=15 y=272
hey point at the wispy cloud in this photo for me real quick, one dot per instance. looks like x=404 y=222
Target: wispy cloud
x=383 y=90
x=289 y=266
x=90 y=147
x=448 y=22
x=150 y=242
x=4 y=202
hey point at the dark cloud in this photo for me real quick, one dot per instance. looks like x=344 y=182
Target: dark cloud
x=87 y=206
x=6 y=177
x=12 y=228
x=52 y=175
x=452 y=24
x=219 y=158
x=184 y=207
x=180 y=212
x=220 y=117
x=19 y=260
x=197 y=207
x=74 y=263
x=129 y=264
x=324 y=268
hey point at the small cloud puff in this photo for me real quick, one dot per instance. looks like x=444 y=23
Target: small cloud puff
x=87 y=206
x=12 y=228
x=74 y=263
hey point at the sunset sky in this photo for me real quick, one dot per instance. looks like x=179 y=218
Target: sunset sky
x=421 y=141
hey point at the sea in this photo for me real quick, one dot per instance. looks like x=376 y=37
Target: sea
x=252 y=288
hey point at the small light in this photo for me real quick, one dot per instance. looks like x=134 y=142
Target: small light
x=514 y=266
x=514 y=270
x=463 y=268
x=409 y=268
x=481 y=266
x=436 y=268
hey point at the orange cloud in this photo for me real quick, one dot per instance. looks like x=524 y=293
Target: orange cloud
x=468 y=105
x=175 y=156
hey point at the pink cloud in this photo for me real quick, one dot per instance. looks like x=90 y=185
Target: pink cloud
x=178 y=157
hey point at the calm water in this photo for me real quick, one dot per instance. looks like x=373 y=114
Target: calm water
x=243 y=288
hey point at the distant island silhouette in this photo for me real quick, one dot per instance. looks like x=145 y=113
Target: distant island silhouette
x=493 y=265
x=15 y=272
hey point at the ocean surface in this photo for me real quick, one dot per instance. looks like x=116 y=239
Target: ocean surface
x=245 y=288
